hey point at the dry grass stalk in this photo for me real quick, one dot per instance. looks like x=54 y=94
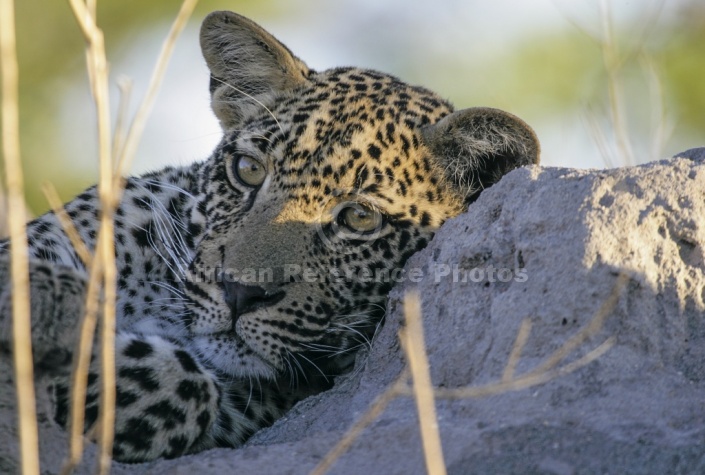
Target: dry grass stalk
x=376 y=408
x=598 y=136
x=547 y=371
x=21 y=324
x=591 y=329
x=120 y=135
x=66 y=224
x=661 y=126
x=137 y=127
x=415 y=349
x=115 y=155
x=106 y=421
x=401 y=388
x=521 y=382
x=515 y=354
x=81 y=364
x=613 y=63
x=614 y=60
x=83 y=355
x=98 y=74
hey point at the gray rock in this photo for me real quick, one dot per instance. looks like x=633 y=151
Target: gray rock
x=693 y=154
x=544 y=244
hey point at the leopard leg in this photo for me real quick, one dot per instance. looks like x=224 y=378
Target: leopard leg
x=166 y=402
x=57 y=295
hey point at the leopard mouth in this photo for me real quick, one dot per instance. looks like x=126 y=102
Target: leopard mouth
x=254 y=304
x=228 y=353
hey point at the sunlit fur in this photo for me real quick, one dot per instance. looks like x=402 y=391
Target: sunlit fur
x=348 y=136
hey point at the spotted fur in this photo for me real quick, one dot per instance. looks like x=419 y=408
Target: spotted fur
x=247 y=281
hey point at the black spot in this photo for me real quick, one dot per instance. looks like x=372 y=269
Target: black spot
x=194 y=229
x=138 y=349
x=91 y=417
x=425 y=219
x=47 y=255
x=124 y=398
x=203 y=420
x=404 y=145
x=188 y=390
x=404 y=240
x=187 y=363
x=142 y=203
x=118 y=453
x=177 y=446
x=128 y=309
x=374 y=151
x=61 y=411
x=91 y=398
x=137 y=434
x=86 y=196
x=361 y=176
x=145 y=377
x=141 y=235
x=168 y=413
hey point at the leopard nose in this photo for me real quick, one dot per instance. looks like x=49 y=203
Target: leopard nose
x=243 y=298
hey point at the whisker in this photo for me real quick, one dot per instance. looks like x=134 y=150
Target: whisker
x=314 y=365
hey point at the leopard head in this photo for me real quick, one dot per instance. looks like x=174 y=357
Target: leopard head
x=322 y=187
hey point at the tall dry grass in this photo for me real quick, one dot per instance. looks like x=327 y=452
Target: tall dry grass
x=115 y=153
x=609 y=126
x=412 y=340
x=21 y=329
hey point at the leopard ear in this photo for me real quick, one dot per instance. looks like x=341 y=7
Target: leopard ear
x=478 y=146
x=247 y=64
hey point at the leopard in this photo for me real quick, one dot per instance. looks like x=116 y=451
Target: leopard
x=251 y=280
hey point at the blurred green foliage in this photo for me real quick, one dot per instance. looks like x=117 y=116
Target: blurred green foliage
x=681 y=58
x=50 y=52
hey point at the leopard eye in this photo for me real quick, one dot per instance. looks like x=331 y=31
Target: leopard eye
x=360 y=218
x=249 y=171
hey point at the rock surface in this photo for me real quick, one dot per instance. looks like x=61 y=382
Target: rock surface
x=548 y=245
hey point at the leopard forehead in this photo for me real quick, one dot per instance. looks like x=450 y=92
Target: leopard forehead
x=348 y=132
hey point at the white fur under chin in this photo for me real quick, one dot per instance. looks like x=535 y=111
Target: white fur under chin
x=226 y=354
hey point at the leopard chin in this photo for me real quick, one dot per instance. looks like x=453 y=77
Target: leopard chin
x=226 y=353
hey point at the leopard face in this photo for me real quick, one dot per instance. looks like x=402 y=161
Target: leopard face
x=322 y=187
